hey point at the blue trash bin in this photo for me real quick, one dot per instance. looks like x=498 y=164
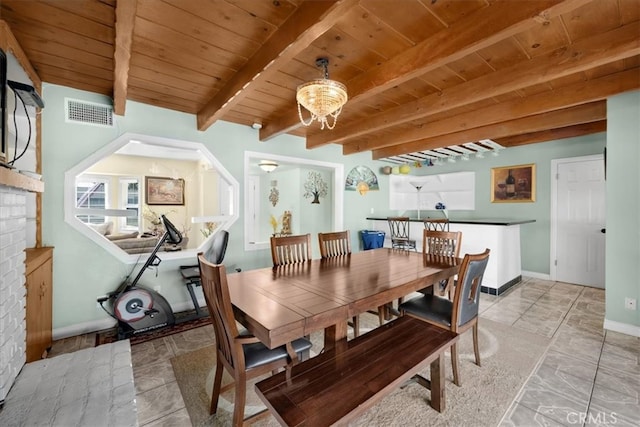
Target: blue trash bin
x=372 y=239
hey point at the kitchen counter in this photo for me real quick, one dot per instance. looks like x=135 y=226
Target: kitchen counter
x=500 y=235
x=482 y=221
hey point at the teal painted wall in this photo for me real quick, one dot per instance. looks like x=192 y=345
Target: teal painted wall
x=535 y=237
x=623 y=204
x=83 y=270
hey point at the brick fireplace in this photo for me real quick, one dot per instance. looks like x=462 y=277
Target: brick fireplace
x=13 y=242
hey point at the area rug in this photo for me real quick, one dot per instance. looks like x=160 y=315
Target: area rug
x=508 y=356
x=111 y=335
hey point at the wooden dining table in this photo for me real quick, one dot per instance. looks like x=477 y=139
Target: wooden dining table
x=284 y=303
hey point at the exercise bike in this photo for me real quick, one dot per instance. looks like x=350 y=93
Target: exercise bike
x=139 y=309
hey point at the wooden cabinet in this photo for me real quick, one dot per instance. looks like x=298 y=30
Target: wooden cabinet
x=39 y=283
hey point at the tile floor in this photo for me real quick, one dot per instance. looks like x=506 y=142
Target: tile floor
x=588 y=376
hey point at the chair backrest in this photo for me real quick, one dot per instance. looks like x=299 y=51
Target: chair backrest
x=436 y=224
x=218 y=249
x=213 y=279
x=399 y=227
x=334 y=244
x=445 y=243
x=467 y=294
x=290 y=249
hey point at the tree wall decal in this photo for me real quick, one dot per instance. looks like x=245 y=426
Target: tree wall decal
x=315 y=187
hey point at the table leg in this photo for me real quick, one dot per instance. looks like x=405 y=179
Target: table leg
x=437 y=383
x=335 y=336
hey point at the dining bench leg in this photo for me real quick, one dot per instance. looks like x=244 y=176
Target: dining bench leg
x=436 y=384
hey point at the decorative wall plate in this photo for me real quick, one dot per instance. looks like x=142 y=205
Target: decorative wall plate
x=361 y=179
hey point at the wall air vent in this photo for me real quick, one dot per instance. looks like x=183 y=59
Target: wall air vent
x=88 y=113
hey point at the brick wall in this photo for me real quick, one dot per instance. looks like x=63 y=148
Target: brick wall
x=12 y=290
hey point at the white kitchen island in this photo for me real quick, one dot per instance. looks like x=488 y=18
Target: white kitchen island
x=501 y=236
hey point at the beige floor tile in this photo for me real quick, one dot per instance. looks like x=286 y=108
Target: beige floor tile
x=502 y=315
x=541 y=284
x=159 y=402
x=620 y=381
x=152 y=375
x=583 y=346
x=520 y=416
x=611 y=404
x=570 y=365
x=524 y=293
x=546 y=329
x=622 y=341
x=547 y=402
x=151 y=351
x=175 y=419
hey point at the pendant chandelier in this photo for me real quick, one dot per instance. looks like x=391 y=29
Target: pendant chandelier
x=323 y=98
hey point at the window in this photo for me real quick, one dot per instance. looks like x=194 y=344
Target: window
x=211 y=194
x=130 y=201
x=91 y=194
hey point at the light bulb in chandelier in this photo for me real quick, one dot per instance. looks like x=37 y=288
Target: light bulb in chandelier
x=322 y=98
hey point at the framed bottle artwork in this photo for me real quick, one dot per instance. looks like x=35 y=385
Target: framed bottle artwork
x=513 y=184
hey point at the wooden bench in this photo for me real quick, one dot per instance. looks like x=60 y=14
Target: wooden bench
x=337 y=386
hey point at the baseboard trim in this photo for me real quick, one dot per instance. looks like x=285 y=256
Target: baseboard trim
x=623 y=328
x=536 y=275
x=83 y=328
x=502 y=289
x=99 y=325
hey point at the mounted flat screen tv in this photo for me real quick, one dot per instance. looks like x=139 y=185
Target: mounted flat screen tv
x=4 y=155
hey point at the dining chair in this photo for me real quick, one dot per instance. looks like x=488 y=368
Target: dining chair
x=457 y=315
x=443 y=243
x=338 y=244
x=287 y=250
x=238 y=352
x=334 y=244
x=399 y=230
x=191 y=273
x=436 y=224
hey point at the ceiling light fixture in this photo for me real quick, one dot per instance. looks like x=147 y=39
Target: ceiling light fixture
x=268 y=165
x=322 y=98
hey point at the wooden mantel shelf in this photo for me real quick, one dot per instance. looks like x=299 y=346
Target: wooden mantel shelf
x=15 y=179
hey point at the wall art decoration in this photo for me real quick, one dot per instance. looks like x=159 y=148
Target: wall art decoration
x=274 y=194
x=286 y=223
x=361 y=179
x=513 y=184
x=315 y=187
x=164 y=191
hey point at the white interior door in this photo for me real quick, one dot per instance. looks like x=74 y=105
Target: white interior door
x=579 y=221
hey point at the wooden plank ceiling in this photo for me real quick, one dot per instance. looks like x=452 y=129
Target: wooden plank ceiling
x=421 y=74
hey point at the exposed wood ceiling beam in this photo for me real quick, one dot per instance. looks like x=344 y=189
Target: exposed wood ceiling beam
x=575 y=94
x=125 y=23
x=553 y=134
x=587 y=113
x=310 y=21
x=620 y=43
x=8 y=43
x=488 y=26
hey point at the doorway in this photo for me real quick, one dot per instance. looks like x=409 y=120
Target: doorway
x=578 y=220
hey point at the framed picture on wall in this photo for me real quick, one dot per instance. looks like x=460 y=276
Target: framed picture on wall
x=164 y=191
x=513 y=184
